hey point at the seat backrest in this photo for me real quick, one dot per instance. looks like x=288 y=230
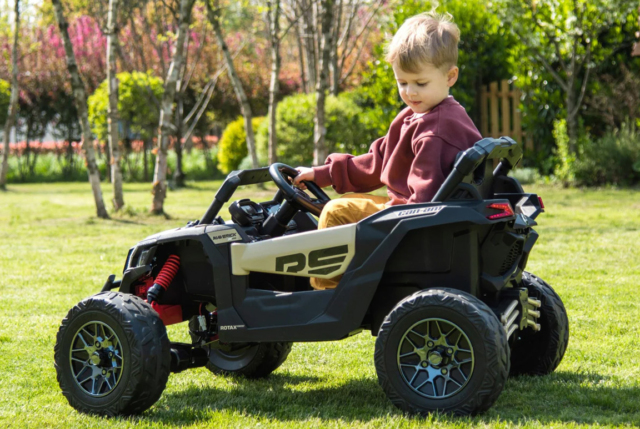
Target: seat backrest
x=473 y=176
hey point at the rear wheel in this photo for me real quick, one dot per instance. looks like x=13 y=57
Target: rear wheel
x=442 y=350
x=252 y=361
x=540 y=353
x=112 y=355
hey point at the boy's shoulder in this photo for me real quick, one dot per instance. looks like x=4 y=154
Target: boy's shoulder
x=449 y=121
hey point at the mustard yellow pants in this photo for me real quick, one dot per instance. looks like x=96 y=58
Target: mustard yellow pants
x=349 y=208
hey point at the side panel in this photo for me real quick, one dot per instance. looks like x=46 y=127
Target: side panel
x=325 y=254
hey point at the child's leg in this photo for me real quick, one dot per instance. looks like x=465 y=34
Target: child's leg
x=349 y=208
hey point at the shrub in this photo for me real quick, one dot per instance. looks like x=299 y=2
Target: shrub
x=137 y=113
x=564 y=170
x=611 y=159
x=526 y=175
x=346 y=132
x=232 y=147
x=5 y=97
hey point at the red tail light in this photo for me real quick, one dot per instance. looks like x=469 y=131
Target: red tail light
x=541 y=203
x=505 y=210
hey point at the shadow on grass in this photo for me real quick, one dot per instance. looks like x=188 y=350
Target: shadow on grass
x=560 y=397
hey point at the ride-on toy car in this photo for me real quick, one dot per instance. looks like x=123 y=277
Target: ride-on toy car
x=442 y=285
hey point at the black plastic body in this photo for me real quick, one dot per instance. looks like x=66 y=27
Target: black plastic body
x=449 y=242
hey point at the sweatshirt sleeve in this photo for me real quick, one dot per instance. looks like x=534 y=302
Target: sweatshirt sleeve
x=429 y=169
x=349 y=173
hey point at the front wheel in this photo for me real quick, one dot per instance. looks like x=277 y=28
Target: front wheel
x=442 y=350
x=112 y=355
x=252 y=361
x=540 y=353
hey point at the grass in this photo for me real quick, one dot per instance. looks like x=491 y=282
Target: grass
x=55 y=252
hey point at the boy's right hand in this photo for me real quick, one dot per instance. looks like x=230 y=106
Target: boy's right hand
x=305 y=174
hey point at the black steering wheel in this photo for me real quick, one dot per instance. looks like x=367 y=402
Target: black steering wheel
x=295 y=196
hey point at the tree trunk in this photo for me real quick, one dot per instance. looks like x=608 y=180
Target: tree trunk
x=145 y=153
x=214 y=18
x=572 y=122
x=303 y=74
x=274 y=86
x=320 y=150
x=334 y=66
x=308 y=38
x=166 y=128
x=80 y=97
x=178 y=175
x=13 y=101
x=113 y=115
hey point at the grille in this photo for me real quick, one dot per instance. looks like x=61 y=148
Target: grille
x=514 y=253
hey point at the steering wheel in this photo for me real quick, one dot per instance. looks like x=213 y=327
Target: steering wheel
x=295 y=196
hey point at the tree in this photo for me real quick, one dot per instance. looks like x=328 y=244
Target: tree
x=166 y=127
x=562 y=38
x=136 y=115
x=112 y=42
x=13 y=103
x=213 y=13
x=320 y=151
x=80 y=98
x=273 y=20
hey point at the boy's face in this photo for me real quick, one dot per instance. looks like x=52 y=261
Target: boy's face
x=424 y=90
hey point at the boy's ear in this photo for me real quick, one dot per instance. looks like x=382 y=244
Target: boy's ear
x=452 y=76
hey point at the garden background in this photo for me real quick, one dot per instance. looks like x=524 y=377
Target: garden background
x=285 y=77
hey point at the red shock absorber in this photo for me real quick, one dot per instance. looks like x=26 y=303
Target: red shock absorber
x=169 y=314
x=168 y=272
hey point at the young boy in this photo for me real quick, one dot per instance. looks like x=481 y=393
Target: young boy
x=419 y=150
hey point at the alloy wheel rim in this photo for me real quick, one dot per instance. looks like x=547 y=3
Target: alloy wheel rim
x=435 y=358
x=96 y=359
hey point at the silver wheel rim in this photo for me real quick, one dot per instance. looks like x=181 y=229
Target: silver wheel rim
x=435 y=358
x=96 y=359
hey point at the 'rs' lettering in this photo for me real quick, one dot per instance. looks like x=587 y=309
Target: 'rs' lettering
x=298 y=259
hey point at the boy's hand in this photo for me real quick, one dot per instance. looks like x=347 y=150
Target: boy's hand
x=305 y=173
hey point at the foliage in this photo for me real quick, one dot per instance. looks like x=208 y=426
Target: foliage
x=5 y=96
x=611 y=159
x=346 y=132
x=50 y=167
x=564 y=170
x=232 y=147
x=484 y=44
x=554 y=35
x=138 y=113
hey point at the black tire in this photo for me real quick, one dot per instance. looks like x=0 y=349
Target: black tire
x=252 y=361
x=540 y=353
x=132 y=336
x=479 y=382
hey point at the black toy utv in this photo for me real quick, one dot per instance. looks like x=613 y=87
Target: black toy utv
x=442 y=285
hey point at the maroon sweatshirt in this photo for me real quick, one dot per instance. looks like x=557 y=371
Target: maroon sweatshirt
x=412 y=160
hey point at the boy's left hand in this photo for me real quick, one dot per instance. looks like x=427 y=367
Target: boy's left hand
x=305 y=174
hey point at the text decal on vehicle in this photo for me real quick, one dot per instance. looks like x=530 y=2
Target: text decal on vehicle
x=225 y=236
x=422 y=211
x=322 y=261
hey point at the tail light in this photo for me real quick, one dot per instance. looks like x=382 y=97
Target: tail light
x=505 y=210
x=541 y=203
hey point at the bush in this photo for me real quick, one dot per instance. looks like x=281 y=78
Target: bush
x=232 y=148
x=5 y=98
x=525 y=176
x=346 y=132
x=611 y=159
x=137 y=113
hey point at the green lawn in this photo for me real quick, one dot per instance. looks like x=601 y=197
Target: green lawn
x=54 y=252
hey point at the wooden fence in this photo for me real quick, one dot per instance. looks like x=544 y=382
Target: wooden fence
x=500 y=114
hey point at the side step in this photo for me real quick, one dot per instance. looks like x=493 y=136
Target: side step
x=185 y=356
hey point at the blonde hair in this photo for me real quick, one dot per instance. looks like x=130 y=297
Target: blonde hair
x=426 y=38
